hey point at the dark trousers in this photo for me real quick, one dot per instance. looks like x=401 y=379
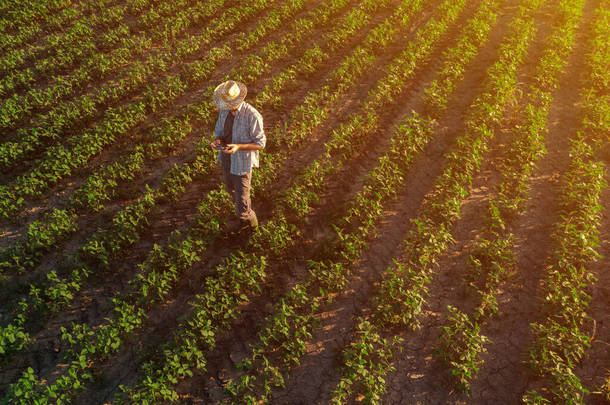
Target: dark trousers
x=238 y=188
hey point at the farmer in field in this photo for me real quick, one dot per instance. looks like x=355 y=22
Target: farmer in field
x=239 y=136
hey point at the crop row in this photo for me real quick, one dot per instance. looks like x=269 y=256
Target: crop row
x=491 y=258
x=99 y=66
x=287 y=330
x=57 y=289
x=172 y=22
x=560 y=340
x=400 y=296
x=54 y=46
x=61 y=160
x=143 y=14
x=11 y=5
x=102 y=186
x=26 y=21
x=363 y=364
x=59 y=53
x=107 y=244
x=57 y=15
x=286 y=308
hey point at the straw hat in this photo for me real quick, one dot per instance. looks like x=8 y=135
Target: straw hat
x=229 y=94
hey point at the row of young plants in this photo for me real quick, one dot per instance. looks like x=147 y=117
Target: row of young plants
x=95 y=67
x=317 y=18
x=66 y=15
x=61 y=160
x=561 y=338
x=400 y=295
x=57 y=289
x=23 y=24
x=491 y=258
x=10 y=5
x=161 y=281
x=26 y=144
x=62 y=19
x=184 y=14
x=56 y=56
x=106 y=244
x=332 y=38
x=118 y=64
x=27 y=11
x=175 y=257
x=40 y=236
x=103 y=185
x=41 y=18
x=281 y=342
x=54 y=227
x=295 y=204
x=174 y=22
x=53 y=46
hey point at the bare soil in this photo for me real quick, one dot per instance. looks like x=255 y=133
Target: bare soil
x=419 y=378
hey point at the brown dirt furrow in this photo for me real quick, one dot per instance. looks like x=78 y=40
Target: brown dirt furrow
x=504 y=374
x=420 y=378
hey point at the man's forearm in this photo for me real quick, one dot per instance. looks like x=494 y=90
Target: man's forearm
x=249 y=146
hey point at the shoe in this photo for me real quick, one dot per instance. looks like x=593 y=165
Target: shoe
x=253 y=222
x=250 y=225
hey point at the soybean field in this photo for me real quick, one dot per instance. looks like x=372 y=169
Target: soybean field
x=433 y=203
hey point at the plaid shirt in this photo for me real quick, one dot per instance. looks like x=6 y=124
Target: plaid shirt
x=247 y=128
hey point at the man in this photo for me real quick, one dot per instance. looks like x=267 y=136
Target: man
x=239 y=137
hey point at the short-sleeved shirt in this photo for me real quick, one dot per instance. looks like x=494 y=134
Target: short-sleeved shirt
x=247 y=128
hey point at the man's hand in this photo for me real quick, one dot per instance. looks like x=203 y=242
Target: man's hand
x=231 y=148
x=215 y=143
